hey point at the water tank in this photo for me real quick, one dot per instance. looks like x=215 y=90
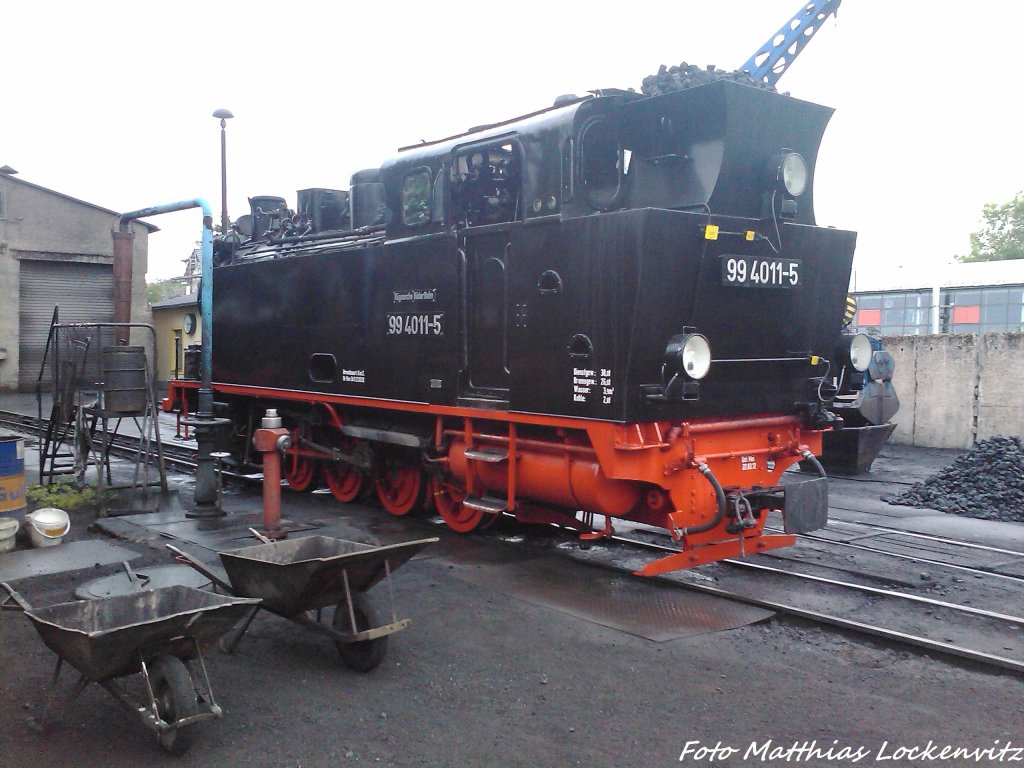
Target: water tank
x=124 y=379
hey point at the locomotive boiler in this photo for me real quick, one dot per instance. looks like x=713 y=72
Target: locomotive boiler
x=618 y=308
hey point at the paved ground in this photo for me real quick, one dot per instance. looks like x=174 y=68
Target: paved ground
x=483 y=678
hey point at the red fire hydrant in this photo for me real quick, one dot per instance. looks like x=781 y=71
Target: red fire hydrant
x=271 y=440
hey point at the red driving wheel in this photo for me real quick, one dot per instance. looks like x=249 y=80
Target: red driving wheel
x=400 y=486
x=448 y=497
x=298 y=472
x=345 y=481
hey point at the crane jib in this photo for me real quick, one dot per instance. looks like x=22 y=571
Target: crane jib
x=773 y=58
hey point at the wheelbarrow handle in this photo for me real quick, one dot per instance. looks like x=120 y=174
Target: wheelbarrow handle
x=260 y=536
x=12 y=594
x=138 y=580
x=200 y=566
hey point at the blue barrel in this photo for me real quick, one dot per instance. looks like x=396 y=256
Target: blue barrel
x=12 y=473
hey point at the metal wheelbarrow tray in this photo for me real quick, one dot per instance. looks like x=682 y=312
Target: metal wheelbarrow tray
x=150 y=632
x=297 y=578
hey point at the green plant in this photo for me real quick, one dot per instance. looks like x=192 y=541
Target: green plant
x=62 y=495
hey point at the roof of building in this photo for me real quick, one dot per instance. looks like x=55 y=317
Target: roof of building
x=150 y=227
x=188 y=300
x=950 y=275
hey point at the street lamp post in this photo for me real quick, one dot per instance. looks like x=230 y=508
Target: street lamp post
x=224 y=115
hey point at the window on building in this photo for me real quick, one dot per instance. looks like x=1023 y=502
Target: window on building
x=1015 y=309
x=966 y=298
x=869 y=317
x=994 y=316
x=899 y=313
x=961 y=310
x=1002 y=309
x=968 y=314
x=984 y=310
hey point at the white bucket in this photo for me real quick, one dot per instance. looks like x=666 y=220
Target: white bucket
x=48 y=526
x=8 y=528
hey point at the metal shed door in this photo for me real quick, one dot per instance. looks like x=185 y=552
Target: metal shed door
x=84 y=293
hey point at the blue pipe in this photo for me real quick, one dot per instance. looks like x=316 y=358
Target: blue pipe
x=205 y=287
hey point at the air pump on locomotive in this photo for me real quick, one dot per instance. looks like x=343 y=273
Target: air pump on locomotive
x=619 y=307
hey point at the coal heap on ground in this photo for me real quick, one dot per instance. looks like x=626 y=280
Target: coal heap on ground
x=678 y=78
x=987 y=483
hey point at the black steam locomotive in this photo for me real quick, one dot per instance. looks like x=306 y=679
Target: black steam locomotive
x=619 y=306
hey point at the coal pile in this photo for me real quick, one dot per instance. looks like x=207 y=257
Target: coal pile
x=670 y=79
x=987 y=483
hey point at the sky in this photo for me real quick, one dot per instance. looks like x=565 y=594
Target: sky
x=111 y=102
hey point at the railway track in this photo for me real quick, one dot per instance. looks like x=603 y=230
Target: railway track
x=954 y=629
x=928 y=621
x=177 y=456
x=793 y=586
x=863 y=480
x=1002 y=557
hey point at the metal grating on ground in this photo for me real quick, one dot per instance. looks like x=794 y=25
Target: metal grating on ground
x=67 y=556
x=154 y=577
x=631 y=604
x=228 y=532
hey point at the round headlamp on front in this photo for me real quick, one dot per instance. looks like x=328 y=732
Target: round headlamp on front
x=689 y=355
x=696 y=356
x=860 y=352
x=793 y=173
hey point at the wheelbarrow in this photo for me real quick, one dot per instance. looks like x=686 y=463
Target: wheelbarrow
x=297 y=578
x=151 y=632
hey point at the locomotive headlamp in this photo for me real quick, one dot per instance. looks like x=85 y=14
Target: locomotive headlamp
x=792 y=173
x=688 y=354
x=860 y=352
x=696 y=356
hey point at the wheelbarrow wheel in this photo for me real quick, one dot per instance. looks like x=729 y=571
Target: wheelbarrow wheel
x=361 y=655
x=175 y=699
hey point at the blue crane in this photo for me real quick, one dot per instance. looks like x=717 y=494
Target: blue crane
x=774 y=57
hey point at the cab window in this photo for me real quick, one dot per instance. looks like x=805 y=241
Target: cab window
x=485 y=184
x=416 y=205
x=601 y=165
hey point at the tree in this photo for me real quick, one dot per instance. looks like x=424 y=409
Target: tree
x=164 y=289
x=1002 y=236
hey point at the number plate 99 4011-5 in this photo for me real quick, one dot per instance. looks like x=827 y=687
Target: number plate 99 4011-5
x=758 y=272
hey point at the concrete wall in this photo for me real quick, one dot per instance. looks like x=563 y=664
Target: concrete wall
x=956 y=389
x=53 y=226
x=1001 y=385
